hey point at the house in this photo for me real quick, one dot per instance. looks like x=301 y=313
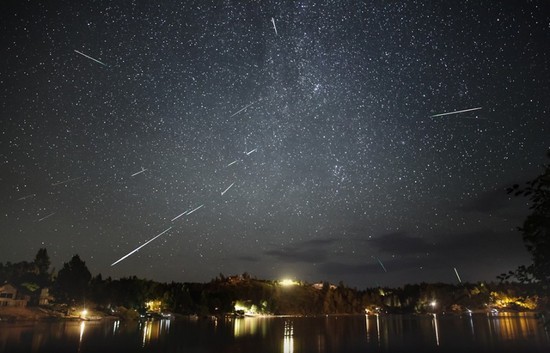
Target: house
x=45 y=297
x=9 y=297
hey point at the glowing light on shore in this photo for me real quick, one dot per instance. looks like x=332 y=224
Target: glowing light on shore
x=288 y=282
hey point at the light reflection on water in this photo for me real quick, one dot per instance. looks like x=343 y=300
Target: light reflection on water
x=513 y=327
x=288 y=337
x=152 y=330
x=248 y=326
x=372 y=333
x=82 y=328
x=436 y=328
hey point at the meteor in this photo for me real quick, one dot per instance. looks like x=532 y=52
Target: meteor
x=230 y=164
x=241 y=110
x=194 y=210
x=184 y=213
x=89 y=57
x=457 y=276
x=137 y=173
x=46 y=217
x=26 y=197
x=381 y=264
x=229 y=187
x=141 y=246
x=274 y=27
x=66 y=181
x=254 y=150
x=456 y=112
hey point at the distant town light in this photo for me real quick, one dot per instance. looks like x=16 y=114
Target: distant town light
x=288 y=282
x=83 y=313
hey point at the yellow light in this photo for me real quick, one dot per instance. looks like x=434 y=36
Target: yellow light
x=288 y=282
x=83 y=313
x=239 y=307
x=154 y=305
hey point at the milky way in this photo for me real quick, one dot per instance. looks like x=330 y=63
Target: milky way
x=304 y=138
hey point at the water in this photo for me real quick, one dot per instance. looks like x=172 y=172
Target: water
x=394 y=333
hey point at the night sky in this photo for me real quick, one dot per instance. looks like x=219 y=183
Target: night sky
x=304 y=129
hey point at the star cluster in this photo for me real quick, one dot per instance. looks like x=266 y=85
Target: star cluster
x=305 y=130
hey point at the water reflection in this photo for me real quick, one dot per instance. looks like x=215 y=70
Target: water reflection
x=82 y=328
x=116 y=326
x=249 y=326
x=471 y=322
x=376 y=327
x=288 y=337
x=152 y=330
x=436 y=328
x=511 y=326
x=369 y=333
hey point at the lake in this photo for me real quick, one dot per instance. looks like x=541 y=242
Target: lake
x=500 y=332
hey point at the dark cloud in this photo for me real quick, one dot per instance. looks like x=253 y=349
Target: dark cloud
x=400 y=243
x=298 y=255
x=473 y=250
x=320 y=242
x=495 y=201
x=248 y=258
x=339 y=268
x=310 y=251
x=478 y=245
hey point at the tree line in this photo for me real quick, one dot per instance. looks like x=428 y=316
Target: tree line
x=74 y=285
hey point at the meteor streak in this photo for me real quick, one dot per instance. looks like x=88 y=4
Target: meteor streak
x=381 y=264
x=241 y=110
x=229 y=187
x=274 y=27
x=254 y=150
x=141 y=246
x=183 y=214
x=89 y=57
x=65 y=181
x=456 y=112
x=141 y=171
x=457 y=276
x=45 y=217
x=26 y=197
x=235 y=161
x=194 y=210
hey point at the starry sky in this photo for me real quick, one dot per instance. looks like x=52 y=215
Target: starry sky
x=284 y=138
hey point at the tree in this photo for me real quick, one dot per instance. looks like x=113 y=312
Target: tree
x=42 y=265
x=42 y=261
x=73 y=280
x=536 y=229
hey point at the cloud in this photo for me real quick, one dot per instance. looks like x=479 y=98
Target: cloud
x=400 y=243
x=477 y=249
x=312 y=251
x=475 y=254
x=496 y=201
x=248 y=258
x=298 y=255
x=479 y=244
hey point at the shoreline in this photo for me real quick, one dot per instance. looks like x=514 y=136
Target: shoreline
x=37 y=314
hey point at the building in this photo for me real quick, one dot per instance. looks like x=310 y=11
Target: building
x=9 y=297
x=45 y=297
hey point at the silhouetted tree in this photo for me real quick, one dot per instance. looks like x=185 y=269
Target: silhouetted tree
x=42 y=261
x=536 y=230
x=42 y=264
x=72 y=280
